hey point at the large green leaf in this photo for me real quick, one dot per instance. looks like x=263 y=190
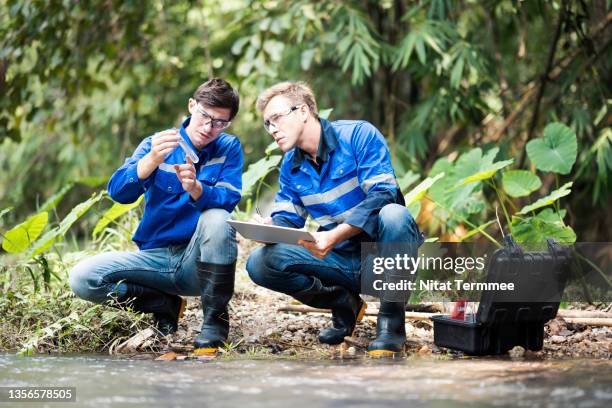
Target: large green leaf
x=258 y=171
x=456 y=201
x=556 y=151
x=116 y=211
x=486 y=171
x=546 y=224
x=77 y=212
x=519 y=183
x=21 y=236
x=419 y=191
x=549 y=199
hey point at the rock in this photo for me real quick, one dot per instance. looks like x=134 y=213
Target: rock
x=516 y=352
x=557 y=339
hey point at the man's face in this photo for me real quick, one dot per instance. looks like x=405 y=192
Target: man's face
x=206 y=123
x=285 y=121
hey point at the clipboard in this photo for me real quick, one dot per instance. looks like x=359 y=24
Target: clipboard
x=271 y=234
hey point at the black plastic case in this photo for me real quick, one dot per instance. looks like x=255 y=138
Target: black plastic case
x=502 y=322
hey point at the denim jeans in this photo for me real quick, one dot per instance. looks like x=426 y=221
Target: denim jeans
x=289 y=268
x=171 y=269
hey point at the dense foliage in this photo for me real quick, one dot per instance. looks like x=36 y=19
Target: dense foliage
x=83 y=82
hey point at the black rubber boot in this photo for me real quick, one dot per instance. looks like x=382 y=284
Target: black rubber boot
x=347 y=309
x=390 y=330
x=216 y=290
x=167 y=309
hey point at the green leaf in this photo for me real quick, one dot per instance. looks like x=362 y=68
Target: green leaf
x=116 y=211
x=49 y=238
x=21 y=236
x=419 y=191
x=538 y=229
x=556 y=151
x=549 y=215
x=258 y=171
x=487 y=171
x=519 y=183
x=457 y=72
x=5 y=211
x=549 y=199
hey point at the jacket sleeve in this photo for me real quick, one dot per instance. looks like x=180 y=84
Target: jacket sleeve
x=227 y=191
x=376 y=178
x=124 y=185
x=288 y=210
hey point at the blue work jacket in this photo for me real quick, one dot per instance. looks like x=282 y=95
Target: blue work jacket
x=171 y=215
x=355 y=181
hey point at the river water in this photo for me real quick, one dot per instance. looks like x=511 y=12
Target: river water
x=103 y=381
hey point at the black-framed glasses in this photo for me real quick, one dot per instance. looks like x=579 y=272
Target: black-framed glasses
x=218 y=124
x=272 y=120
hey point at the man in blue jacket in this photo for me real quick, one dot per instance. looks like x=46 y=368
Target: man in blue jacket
x=340 y=174
x=191 y=179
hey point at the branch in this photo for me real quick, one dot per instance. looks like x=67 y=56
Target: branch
x=544 y=79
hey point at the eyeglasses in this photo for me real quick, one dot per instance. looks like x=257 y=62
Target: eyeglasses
x=218 y=124
x=272 y=120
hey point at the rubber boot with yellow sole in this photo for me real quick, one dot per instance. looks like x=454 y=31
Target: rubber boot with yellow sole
x=216 y=290
x=390 y=330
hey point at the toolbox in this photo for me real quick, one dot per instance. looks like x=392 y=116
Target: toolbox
x=505 y=320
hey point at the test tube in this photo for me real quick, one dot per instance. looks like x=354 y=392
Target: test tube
x=188 y=150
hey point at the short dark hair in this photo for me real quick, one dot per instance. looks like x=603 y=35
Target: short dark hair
x=218 y=93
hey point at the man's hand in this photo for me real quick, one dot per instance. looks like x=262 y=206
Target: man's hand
x=261 y=220
x=325 y=241
x=187 y=175
x=161 y=145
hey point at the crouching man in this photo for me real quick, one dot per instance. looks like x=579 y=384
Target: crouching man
x=340 y=173
x=191 y=179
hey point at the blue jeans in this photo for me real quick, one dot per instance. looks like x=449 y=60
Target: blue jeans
x=171 y=269
x=289 y=268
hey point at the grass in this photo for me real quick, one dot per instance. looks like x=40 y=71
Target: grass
x=43 y=315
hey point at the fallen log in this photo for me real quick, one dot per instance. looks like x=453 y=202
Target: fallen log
x=594 y=321
x=133 y=343
x=574 y=316
x=584 y=314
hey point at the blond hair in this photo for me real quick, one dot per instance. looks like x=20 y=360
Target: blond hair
x=296 y=92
